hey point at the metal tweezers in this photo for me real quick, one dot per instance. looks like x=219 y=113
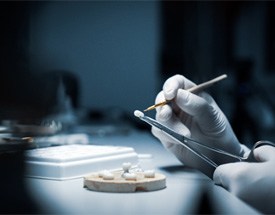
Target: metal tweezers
x=204 y=158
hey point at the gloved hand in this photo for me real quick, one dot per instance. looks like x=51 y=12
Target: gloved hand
x=193 y=115
x=252 y=182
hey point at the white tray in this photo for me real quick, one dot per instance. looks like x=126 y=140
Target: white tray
x=74 y=161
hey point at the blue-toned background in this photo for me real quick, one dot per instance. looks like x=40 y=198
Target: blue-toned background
x=111 y=46
x=115 y=55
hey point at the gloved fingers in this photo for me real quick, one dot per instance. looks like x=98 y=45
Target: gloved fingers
x=264 y=153
x=165 y=112
x=186 y=101
x=194 y=105
x=231 y=175
x=173 y=123
x=169 y=143
x=191 y=103
x=206 y=113
x=252 y=182
x=174 y=83
x=222 y=175
x=176 y=125
x=178 y=150
x=166 y=141
x=186 y=105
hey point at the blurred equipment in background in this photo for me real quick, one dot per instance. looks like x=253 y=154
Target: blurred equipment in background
x=16 y=85
x=31 y=103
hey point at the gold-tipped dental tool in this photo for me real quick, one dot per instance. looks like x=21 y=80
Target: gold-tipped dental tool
x=194 y=89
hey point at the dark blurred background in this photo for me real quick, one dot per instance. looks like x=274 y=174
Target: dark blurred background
x=115 y=55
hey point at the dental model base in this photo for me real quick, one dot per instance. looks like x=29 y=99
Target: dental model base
x=125 y=180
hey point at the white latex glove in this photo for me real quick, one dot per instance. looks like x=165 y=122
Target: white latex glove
x=195 y=116
x=252 y=182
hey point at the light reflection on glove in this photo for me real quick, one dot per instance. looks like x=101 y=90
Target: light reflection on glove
x=195 y=116
x=252 y=182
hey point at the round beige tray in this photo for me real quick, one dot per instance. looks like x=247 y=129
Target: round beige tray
x=120 y=185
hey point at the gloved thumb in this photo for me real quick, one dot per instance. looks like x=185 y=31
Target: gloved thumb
x=225 y=174
x=203 y=109
x=191 y=103
x=264 y=153
x=173 y=84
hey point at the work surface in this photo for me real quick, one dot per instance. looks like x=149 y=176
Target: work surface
x=187 y=191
